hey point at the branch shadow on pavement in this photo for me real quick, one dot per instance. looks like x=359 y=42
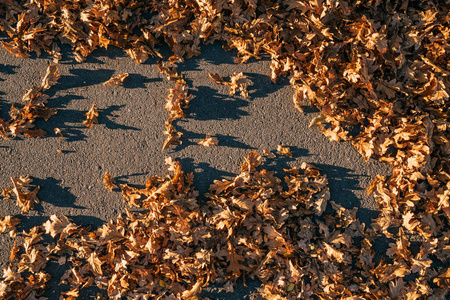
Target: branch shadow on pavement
x=210 y=105
x=64 y=120
x=123 y=179
x=106 y=116
x=135 y=80
x=343 y=182
x=8 y=69
x=52 y=192
x=204 y=174
x=70 y=121
x=83 y=78
x=191 y=138
x=94 y=58
x=210 y=54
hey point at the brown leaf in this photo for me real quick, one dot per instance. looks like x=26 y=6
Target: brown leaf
x=209 y=141
x=284 y=150
x=25 y=198
x=443 y=280
x=116 y=80
x=59 y=225
x=91 y=117
x=109 y=181
x=95 y=264
x=8 y=222
x=51 y=77
x=238 y=82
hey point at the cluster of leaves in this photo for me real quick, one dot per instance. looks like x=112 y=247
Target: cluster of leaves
x=22 y=119
x=377 y=70
x=296 y=241
x=176 y=103
x=23 y=191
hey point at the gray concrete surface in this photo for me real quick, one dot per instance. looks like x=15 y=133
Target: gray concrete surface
x=127 y=143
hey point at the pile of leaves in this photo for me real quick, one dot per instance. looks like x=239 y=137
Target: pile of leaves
x=34 y=100
x=292 y=238
x=377 y=70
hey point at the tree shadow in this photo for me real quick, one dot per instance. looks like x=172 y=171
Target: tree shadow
x=211 y=54
x=204 y=174
x=107 y=114
x=190 y=138
x=51 y=192
x=87 y=221
x=138 y=81
x=366 y=215
x=215 y=54
x=209 y=105
x=123 y=179
x=64 y=120
x=342 y=182
x=27 y=222
x=4 y=111
x=280 y=163
x=82 y=78
x=262 y=86
x=94 y=58
x=310 y=109
x=8 y=69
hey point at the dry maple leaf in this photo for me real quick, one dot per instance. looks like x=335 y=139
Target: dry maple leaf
x=51 y=77
x=25 y=198
x=95 y=264
x=443 y=280
x=91 y=116
x=109 y=181
x=267 y=153
x=36 y=133
x=234 y=268
x=173 y=137
x=251 y=162
x=239 y=82
x=320 y=201
x=59 y=225
x=284 y=150
x=116 y=80
x=209 y=141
